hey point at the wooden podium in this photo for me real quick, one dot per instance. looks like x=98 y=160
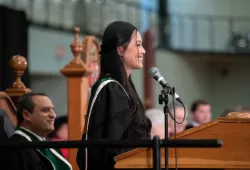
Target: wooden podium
x=234 y=153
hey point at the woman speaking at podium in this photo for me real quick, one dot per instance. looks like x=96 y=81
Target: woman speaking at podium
x=115 y=111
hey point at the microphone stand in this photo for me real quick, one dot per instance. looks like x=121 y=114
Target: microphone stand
x=163 y=97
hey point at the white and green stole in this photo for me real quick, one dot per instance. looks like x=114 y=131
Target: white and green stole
x=95 y=91
x=57 y=161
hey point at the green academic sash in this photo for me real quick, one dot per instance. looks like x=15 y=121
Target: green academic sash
x=97 y=88
x=57 y=161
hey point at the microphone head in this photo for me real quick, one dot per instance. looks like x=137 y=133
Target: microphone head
x=155 y=74
x=153 y=71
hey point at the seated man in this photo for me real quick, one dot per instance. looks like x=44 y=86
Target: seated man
x=201 y=113
x=36 y=116
x=61 y=133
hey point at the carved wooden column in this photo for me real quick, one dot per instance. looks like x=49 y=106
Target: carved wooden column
x=18 y=64
x=77 y=95
x=149 y=61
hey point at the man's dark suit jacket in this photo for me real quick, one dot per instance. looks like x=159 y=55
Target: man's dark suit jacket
x=189 y=126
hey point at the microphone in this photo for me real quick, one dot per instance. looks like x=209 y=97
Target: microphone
x=155 y=73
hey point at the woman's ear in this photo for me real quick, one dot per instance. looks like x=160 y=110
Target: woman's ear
x=120 y=51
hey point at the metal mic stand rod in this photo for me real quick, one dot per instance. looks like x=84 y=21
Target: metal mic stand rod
x=163 y=97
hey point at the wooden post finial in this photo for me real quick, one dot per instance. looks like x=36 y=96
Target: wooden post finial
x=18 y=64
x=76 y=67
x=76 y=47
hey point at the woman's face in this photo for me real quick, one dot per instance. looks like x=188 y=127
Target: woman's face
x=134 y=54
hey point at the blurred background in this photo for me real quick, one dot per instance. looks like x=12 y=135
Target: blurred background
x=201 y=47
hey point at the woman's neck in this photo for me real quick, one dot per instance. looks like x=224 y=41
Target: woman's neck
x=128 y=71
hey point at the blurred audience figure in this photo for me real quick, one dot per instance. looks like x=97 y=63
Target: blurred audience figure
x=244 y=109
x=200 y=112
x=179 y=116
x=157 y=118
x=60 y=133
x=227 y=111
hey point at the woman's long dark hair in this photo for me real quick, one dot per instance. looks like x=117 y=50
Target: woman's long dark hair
x=118 y=34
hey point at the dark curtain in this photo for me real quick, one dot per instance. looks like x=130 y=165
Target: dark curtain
x=13 y=41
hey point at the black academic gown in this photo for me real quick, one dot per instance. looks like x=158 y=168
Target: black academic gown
x=110 y=118
x=23 y=159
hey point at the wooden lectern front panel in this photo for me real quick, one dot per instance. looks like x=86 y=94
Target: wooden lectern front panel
x=234 y=153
